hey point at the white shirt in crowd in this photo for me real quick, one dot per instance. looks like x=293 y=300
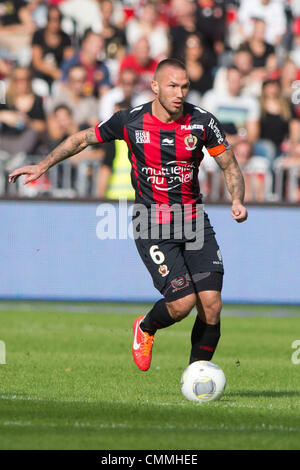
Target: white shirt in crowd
x=272 y=13
x=231 y=109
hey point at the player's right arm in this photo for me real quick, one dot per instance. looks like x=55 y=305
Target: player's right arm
x=69 y=147
x=106 y=131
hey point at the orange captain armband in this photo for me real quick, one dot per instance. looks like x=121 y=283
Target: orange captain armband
x=215 y=151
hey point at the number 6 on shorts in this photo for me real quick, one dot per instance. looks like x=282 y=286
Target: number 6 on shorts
x=157 y=256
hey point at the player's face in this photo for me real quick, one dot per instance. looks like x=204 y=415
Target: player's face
x=171 y=89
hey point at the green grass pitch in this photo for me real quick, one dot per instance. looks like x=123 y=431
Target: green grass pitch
x=69 y=381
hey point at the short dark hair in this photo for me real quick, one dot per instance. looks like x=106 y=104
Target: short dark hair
x=63 y=106
x=89 y=32
x=170 y=62
x=233 y=67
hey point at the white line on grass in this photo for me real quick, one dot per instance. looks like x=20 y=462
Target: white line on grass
x=220 y=404
x=135 y=308
x=158 y=427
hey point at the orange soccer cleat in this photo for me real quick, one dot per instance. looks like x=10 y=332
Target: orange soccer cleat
x=142 y=345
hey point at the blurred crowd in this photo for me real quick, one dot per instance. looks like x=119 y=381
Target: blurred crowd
x=67 y=64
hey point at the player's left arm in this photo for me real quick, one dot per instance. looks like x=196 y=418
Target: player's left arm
x=234 y=182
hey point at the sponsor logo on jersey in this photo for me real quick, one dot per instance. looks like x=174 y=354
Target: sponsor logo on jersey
x=170 y=176
x=190 y=142
x=190 y=127
x=216 y=130
x=142 y=137
x=166 y=141
x=163 y=270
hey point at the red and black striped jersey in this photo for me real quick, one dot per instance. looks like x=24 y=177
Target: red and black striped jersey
x=165 y=157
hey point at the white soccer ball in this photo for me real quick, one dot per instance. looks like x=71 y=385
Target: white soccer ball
x=203 y=381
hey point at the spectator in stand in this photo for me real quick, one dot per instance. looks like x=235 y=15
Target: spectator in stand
x=255 y=170
x=288 y=76
x=84 y=13
x=50 y=47
x=16 y=25
x=61 y=126
x=270 y=11
x=97 y=74
x=126 y=90
x=5 y=68
x=114 y=37
x=211 y=21
x=243 y=61
x=71 y=94
x=198 y=67
x=289 y=81
x=276 y=115
x=146 y=25
x=186 y=24
x=238 y=113
x=292 y=158
x=141 y=61
x=263 y=53
x=22 y=118
x=295 y=47
x=290 y=163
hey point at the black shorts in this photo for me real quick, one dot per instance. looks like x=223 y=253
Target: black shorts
x=177 y=271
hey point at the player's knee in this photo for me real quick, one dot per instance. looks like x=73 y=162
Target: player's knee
x=212 y=309
x=180 y=308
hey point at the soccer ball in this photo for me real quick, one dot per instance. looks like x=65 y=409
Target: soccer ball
x=203 y=381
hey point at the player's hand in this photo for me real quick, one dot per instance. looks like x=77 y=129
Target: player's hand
x=239 y=212
x=32 y=172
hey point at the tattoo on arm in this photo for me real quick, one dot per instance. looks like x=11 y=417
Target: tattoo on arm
x=71 y=146
x=233 y=175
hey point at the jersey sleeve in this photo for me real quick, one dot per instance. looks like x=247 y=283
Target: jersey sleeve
x=215 y=138
x=110 y=152
x=112 y=128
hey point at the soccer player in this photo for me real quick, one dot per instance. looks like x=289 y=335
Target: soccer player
x=165 y=138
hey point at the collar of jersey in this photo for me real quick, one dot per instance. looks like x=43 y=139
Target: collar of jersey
x=168 y=125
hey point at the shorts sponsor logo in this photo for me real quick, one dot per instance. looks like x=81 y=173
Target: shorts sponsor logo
x=179 y=282
x=142 y=137
x=190 y=142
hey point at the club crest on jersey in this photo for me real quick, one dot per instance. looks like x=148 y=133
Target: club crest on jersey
x=142 y=137
x=190 y=142
x=163 y=270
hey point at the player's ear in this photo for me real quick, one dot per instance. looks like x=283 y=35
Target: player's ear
x=154 y=86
